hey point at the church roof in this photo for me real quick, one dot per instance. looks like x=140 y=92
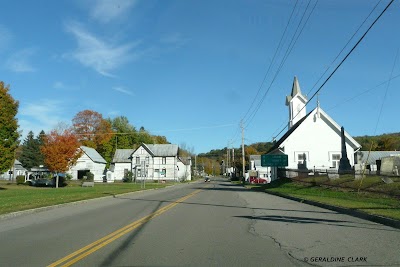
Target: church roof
x=296 y=87
x=287 y=134
x=333 y=124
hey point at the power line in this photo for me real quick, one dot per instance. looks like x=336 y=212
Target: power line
x=362 y=93
x=387 y=88
x=337 y=56
x=287 y=53
x=278 y=48
x=343 y=60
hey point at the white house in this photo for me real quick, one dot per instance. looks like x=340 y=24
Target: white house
x=184 y=169
x=262 y=172
x=151 y=162
x=313 y=140
x=121 y=163
x=16 y=170
x=90 y=161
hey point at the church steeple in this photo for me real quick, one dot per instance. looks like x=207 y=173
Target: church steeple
x=296 y=102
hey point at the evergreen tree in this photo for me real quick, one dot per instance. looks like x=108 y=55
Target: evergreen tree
x=31 y=156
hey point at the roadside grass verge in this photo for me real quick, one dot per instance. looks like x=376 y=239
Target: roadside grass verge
x=348 y=197
x=22 y=197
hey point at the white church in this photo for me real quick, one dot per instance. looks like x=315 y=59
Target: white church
x=313 y=140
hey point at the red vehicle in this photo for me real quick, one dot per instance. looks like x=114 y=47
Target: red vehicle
x=257 y=180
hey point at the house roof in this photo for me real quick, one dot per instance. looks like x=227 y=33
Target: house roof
x=185 y=160
x=123 y=155
x=93 y=154
x=330 y=121
x=256 y=159
x=374 y=156
x=162 y=150
x=18 y=165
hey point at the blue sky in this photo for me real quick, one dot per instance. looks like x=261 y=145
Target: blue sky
x=191 y=70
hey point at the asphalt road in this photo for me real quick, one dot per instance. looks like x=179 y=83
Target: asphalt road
x=197 y=224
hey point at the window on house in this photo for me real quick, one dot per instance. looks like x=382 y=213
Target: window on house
x=164 y=160
x=301 y=158
x=137 y=160
x=163 y=172
x=335 y=160
x=147 y=160
x=139 y=173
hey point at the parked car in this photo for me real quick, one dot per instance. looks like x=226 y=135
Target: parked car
x=42 y=183
x=257 y=180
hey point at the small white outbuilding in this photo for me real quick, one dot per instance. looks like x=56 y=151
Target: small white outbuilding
x=90 y=161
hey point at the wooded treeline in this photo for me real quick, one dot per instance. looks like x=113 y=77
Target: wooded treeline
x=88 y=129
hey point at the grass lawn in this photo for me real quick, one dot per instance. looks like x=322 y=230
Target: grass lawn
x=372 y=203
x=22 y=197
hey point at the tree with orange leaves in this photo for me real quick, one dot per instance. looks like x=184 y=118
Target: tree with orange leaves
x=92 y=130
x=61 y=150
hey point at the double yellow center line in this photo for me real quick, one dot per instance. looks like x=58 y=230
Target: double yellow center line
x=89 y=249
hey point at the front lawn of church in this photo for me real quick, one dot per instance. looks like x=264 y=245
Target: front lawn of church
x=374 y=197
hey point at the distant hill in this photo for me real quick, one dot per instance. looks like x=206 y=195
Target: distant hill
x=384 y=142
x=253 y=149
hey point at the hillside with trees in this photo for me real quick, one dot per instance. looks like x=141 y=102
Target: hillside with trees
x=384 y=142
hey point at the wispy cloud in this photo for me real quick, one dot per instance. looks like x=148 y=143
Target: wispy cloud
x=58 y=85
x=5 y=37
x=20 y=61
x=175 y=39
x=114 y=113
x=44 y=115
x=122 y=90
x=94 y=53
x=106 y=11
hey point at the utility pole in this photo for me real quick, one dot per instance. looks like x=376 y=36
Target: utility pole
x=233 y=163
x=243 y=161
x=227 y=159
x=195 y=164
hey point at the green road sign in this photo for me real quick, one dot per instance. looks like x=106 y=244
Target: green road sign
x=279 y=160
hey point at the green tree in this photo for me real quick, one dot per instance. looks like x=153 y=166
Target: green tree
x=31 y=155
x=144 y=137
x=8 y=128
x=126 y=134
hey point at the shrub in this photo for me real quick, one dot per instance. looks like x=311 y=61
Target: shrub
x=68 y=176
x=20 y=179
x=128 y=177
x=90 y=177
